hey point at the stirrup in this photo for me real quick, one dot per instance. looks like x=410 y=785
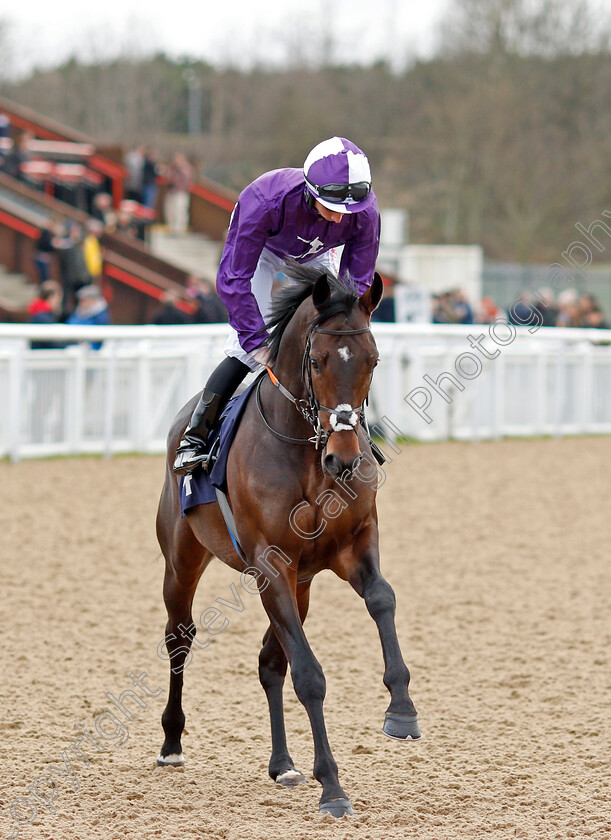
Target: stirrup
x=190 y=458
x=187 y=461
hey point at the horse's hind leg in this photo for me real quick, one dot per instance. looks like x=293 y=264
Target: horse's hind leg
x=272 y=671
x=186 y=559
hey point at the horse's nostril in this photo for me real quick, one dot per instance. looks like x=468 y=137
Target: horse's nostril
x=335 y=466
x=332 y=464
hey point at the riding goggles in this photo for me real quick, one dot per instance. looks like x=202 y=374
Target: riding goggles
x=342 y=193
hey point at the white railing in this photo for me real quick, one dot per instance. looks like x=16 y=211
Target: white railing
x=433 y=383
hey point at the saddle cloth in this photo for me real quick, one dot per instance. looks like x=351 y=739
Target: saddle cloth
x=198 y=488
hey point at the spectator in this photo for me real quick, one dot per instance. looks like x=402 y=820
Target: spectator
x=134 y=162
x=595 y=319
x=102 y=210
x=209 y=308
x=5 y=136
x=150 y=171
x=568 y=311
x=546 y=308
x=488 y=311
x=452 y=308
x=524 y=312
x=92 y=250
x=462 y=308
x=92 y=311
x=46 y=309
x=126 y=224
x=585 y=305
x=45 y=248
x=179 y=175
x=72 y=265
x=18 y=155
x=386 y=310
x=169 y=312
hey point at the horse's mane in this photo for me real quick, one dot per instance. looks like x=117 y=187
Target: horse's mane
x=341 y=301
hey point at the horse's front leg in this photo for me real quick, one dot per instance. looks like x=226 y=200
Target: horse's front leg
x=401 y=721
x=280 y=603
x=272 y=671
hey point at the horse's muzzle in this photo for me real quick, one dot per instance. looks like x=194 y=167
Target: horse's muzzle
x=342 y=454
x=335 y=467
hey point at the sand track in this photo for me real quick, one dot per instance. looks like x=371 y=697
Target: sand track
x=498 y=554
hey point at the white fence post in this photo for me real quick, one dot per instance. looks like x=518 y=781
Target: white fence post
x=560 y=390
x=587 y=352
x=109 y=405
x=144 y=408
x=15 y=420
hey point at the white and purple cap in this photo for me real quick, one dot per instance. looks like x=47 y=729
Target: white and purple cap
x=339 y=162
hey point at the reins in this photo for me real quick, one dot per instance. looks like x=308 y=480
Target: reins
x=309 y=408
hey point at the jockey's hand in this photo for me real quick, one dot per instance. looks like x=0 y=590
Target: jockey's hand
x=261 y=355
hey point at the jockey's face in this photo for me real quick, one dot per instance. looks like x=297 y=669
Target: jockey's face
x=328 y=215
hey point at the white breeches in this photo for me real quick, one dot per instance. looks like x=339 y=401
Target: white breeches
x=262 y=284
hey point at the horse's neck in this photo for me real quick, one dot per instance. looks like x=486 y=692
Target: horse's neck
x=290 y=355
x=288 y=369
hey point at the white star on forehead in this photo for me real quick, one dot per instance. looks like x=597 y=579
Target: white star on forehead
x=345 y=353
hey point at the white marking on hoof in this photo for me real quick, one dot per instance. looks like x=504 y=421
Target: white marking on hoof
x=291 y=778
x=345 y=353
x=408 y=738
x=289 y=774
x=174 y=760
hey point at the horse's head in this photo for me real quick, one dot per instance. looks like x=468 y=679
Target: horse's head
x=323 y=355
x=339 y=357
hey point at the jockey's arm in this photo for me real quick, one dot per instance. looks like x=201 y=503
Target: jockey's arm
x=361 y=251
x=249 y=230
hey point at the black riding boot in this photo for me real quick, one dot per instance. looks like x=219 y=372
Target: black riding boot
x=192 y=451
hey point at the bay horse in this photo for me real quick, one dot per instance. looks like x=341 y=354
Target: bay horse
x=285 y=488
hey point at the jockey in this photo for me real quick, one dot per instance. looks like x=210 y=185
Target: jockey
x=284 y=216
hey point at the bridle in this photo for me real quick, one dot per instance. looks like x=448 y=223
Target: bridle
x=310 y=407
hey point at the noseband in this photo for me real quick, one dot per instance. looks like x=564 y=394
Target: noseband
x=341 y=418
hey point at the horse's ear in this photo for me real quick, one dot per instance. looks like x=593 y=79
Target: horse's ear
x=321 y=291
x=370 y=299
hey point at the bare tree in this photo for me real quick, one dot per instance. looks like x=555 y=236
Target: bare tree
x=525 y=27
x=7 y=52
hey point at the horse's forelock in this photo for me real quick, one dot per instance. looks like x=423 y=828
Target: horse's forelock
x=341 y=301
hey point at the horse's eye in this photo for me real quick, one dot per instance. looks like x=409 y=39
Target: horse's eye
x=314 y=363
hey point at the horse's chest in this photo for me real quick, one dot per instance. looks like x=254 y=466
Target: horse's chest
x=329 y=516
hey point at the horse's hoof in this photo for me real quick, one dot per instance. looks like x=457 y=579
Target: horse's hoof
x=402 y=727
x=291 y=778
x=337 y=808
x=170 y=760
